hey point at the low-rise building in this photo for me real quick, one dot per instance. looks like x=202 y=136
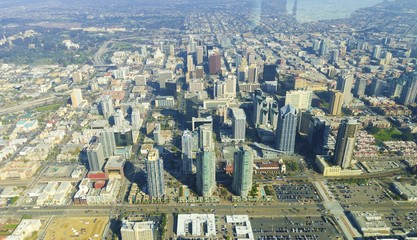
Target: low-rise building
x=196 y=225
x=322 y=162
x=137 y=230
x=370 y=224
x=25 y=229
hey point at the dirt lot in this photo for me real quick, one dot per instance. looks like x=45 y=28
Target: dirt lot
x=76 y=228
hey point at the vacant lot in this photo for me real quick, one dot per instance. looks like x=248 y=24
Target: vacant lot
x=76 y=228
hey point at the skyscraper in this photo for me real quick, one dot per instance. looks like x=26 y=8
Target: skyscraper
x=270 y=72
x=206 y=172
x=214 y=63
x=119 y=118
x=155 y=174
x=190 y=63
x=135 y=119
x=95 y=157
x=200 y=55
x=409 y=91
x=360 y=86
x=376 y=52
x=106 y=105
x=299 y=99
x=205 y=135
x=377 y=87
x=253 y=74
x=286 y=129
x=318 y=135
x=76 y=97
x=242 y=172
x=107 y=140
x=187 y=152
x=344 y=85
x=238 y=124
x=336 y=102
x=345 y=143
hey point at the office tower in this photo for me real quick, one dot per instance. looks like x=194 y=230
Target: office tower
x=345 y=143
x=172 y=50
x=343 y=50
x=135 y=119
x=299 y=99
x=323 y=48
x=76 y=97
x=316 y=45
x=335 y=56
x=273 y=114
x=253 y=74
x=95 y=157
x=318 y=135
x=377 y=87
x=241 y=74
x=219 y=88
x=238 y=60
x=242 y=172
x=137 y=230
x=231 y=83
x=108 y=142
x=286 y=129
x=359 y=89
x=336 y=102
x=106 y=106
x=238 y=124
x=294 y=8
x=344 y=85
x=304 y=117
x=206 y=172
x=161 y=46
x=409 y=92
x=199 y=72
x=163 y=76
x=205 y=135
x=155 y=174
x=215 y=63
x=187 y=152
x=270 y=72
x=200 y=55
x=251 y=58
x=388 y=57
x=396 y=87
x=376 y=52
x=258 y=100
x=190 y=63
x=119 y=118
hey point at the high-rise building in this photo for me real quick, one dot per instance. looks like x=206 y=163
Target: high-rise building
x=360 y=87
x=238 y=124
x=231 y=83
x=200 y=55
x=376 y=52
x=172 y=50
x=377 y=87
x=190 y=63
x=344 y=85
x=206 y=172
x=253 y=74
x=155 y=174
x=219 y=88
x=119 y=118
x=265 y=110
x=270 y=72
x=323 y=48
x=409 y=91
x=336 y=102
x=238 y=60
x=318 y=135
x=77 y=77
x=345 y=143
x=76 y=97
x=286 y=129
x=300 y=99
x=135 y=119
x=95 y=157
x=396 y=87
x=215 y=63
x=187 y=152
x=107 y=140
x=242 y=172
x=106 y=106
x=137 y=230
x=205 y=135
x=163 y=77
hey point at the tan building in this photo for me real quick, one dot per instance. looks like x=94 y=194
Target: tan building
x=76 y=97
x=336 y=102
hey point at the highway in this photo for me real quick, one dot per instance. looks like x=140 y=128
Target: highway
x=29 y=104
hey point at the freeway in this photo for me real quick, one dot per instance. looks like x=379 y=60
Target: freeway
x=29 y=104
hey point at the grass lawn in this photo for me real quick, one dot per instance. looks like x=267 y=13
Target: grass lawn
x=52 y=107
x=388 y=134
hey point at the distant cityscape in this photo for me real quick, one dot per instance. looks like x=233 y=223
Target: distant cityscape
x=208 y=120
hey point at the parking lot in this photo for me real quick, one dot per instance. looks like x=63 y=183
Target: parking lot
x=310 y=227
x=299 y=192
x=354 y=194
x=402 y=221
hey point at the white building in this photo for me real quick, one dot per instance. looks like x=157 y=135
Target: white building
x=299 y=99
x=137 y=230
x=196 y=225
x=25 y=229
x=242 y=225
